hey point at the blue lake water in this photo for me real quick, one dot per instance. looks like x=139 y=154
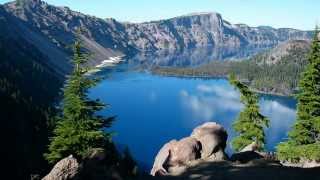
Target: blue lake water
x=152 y=110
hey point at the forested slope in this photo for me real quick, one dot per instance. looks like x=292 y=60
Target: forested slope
x=28 y=89
x=269 y=71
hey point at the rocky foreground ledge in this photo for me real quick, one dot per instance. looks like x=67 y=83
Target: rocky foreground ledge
x=201 y=156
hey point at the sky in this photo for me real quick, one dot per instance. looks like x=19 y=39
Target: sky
x=299 y=14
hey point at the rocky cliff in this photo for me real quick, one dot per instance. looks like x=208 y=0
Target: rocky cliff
x=205 y=30
x=52 y=29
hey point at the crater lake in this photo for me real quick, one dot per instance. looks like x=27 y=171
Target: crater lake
x=151 y=110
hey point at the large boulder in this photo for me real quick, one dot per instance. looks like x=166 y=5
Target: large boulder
x=66 y=169
x=94 y=166
x=162 y=159
x=176 y=154
x=207 y=142
x=184 y=151
x=213 y=138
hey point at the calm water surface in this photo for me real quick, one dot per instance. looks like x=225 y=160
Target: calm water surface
x=152 y=110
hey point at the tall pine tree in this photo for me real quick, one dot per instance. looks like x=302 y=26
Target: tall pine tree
x=250 y=123
x=306 y=130
x=304 y=138
x=78 y=129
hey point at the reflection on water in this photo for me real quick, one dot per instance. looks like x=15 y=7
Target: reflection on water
x=221 y=103
x=151 y=110
x=196 y=56
x=211 y=101
x=281 y=116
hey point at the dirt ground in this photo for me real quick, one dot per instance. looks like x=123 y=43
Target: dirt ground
x=253 y=170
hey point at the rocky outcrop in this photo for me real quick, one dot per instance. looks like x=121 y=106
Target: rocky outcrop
x=95 y=165
x=207 y=142
x=66 y=169
x=248 y=164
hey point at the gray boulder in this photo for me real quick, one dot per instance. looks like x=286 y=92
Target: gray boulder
x=213 y=138
x=184 y=151
x=176 y=154
x=162 y=159
x=66 y=169
x=207 y=142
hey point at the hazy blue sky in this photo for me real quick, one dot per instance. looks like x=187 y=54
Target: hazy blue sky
x=301 y=14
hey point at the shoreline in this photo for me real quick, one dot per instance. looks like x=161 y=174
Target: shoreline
x=220 y=77
x=110 y=62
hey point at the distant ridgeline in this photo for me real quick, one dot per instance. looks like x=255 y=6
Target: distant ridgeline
x=51 y=30
x=275 y=71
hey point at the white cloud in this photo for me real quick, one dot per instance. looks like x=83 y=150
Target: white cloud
x=221 y=103
x=211 y=101
x=281 y=118
x=214 y=102
x=220 y=91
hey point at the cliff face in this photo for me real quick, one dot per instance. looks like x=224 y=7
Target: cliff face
x=52 y=29
x=206 y=30
x=184 y=32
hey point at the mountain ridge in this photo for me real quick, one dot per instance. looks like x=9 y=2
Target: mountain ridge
x=52 y=29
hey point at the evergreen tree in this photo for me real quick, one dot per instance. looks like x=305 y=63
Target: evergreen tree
x=78 y=129
x=306 y=130
x=250 y=122
x=304 y=138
